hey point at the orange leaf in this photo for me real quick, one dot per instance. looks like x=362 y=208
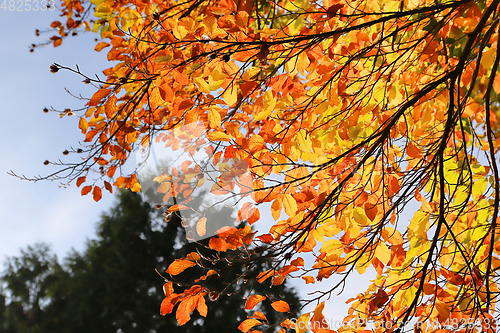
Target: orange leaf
x=256 y=142
x=83 y=125
x=193 y=256
x=496 y=84
x=280 y=306
x=247 y=324
x=218 y=244
x=297 y=262
x=309 y=279
x=120 y=182
x=57 y=41
x=201 y=226
x=253 y=300
x=97 y=193
x=183 y=314
x=166 y=93
x=80 y=181
x=98 y=96
x=201 y=306
x=179 y=266
x=168 y=288
x=86 y=190
x=180 y=78
x=414 y=151
x=100 y=46
x=167 y=305
x=259 y=315
x=176 y=208
x=265 y=275
x=267 y=238
x=111 y=171
x=393 y=185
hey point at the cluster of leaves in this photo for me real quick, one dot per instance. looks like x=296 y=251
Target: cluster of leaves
x=341 y=113
x=112 y=286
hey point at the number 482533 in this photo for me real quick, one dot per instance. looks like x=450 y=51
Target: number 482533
x=27 y=5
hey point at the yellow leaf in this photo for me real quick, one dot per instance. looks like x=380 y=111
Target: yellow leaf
x=214 y=118
x=302 y=323
x=488 y=57
x=360 y=217
x=262 y=115
x=231 y=95
x=136 y=188
x=383 y=253
x=218 y=136
x=269 y=102
x=289 y=204
x=305 y=143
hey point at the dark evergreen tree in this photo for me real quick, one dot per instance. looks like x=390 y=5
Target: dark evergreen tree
x=113 y=287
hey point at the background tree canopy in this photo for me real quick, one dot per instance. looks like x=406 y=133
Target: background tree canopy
x=112 y=286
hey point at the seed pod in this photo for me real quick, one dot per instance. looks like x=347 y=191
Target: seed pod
x=213 y=295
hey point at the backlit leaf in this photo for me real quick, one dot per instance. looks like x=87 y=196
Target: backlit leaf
x=179 y=266
x=280 y=306
x=253 y=300
x=248 y=324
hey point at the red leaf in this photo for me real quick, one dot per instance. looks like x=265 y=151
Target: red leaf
x=86 y=190
x=267 y=238
x=108 y=187
x=97 y=193
x=80 y=181
x=393 y=185
x=297 y=262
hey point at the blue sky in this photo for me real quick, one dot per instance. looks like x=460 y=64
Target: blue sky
x=42 y=211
